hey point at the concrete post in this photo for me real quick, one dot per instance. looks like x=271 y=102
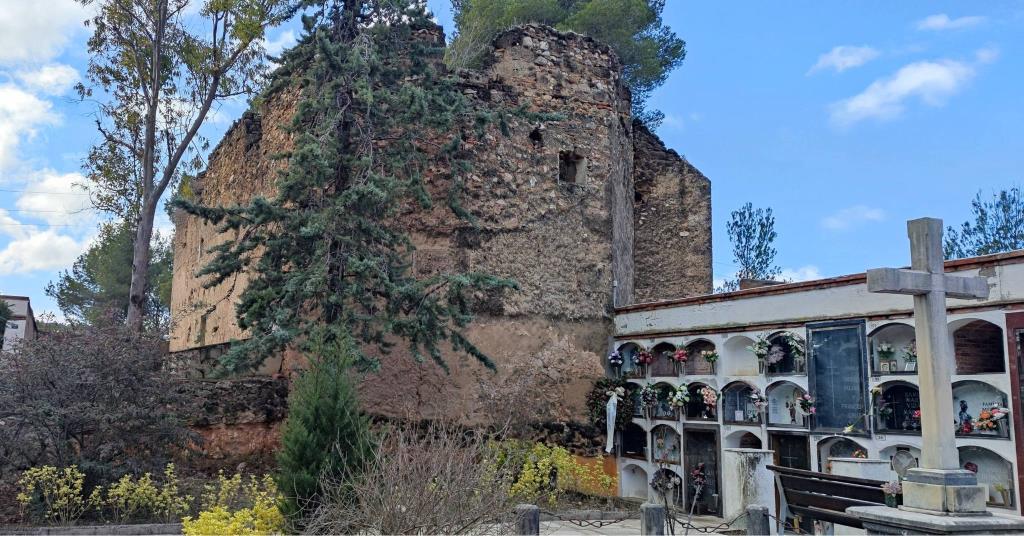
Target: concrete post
x=758 y=522
x=527 y=520
x=652 y=519
x=746 y=481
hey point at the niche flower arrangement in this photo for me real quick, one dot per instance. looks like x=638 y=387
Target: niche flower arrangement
x=759 y=400
x=643 y=358
x=885 y=350
x=615 y=359
x=710 y=399
x=891 y=490
x=711 y=357
x=806 y=404
x=680 y=356
x=773 y=351
x=680 y=397
x=648 y=399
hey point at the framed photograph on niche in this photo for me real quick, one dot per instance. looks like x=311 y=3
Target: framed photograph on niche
x=884 y=365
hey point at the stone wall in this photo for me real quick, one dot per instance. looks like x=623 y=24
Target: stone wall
x=554 y=211
x=979 y=348
x=672 y=221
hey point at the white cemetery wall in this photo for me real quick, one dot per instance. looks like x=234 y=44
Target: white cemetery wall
x=747 y=481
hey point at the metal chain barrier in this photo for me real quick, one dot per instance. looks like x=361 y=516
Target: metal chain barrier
x=585 y=523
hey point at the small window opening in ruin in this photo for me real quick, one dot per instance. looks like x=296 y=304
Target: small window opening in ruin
x=537 y=136
x=572 y=167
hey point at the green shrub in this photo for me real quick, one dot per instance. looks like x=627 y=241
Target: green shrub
x=237 y=506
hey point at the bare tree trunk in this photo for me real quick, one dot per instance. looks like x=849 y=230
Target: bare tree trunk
x=150 y=194
x=140 y=266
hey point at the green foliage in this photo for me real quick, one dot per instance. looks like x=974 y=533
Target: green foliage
x=998 y=226
x=326 y=437
x=95 y=290
x=752 y=234
x=546 y=472
x=328 y=255
x=52 y=496
x=158 y=69
x=649 y=50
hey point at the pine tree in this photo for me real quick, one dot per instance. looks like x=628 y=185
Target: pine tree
x=328 y=251
x=998 y=226
x=326 y=437
x=752 y=234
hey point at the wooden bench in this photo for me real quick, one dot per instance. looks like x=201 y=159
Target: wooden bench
x=824 y=497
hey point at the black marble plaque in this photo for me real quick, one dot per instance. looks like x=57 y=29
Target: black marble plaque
x=837 y=376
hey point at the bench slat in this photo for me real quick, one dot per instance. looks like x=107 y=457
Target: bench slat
x=825 y=476
x=827 y=502
x=873 y=495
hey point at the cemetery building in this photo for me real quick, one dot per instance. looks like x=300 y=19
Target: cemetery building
x=814 y=371
x=22 y=323
x=584 y=213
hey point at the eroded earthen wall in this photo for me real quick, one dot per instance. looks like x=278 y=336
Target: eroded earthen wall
x=672 y=223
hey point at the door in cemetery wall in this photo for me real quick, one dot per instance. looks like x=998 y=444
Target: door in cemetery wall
x=1015 y=335
x=791 y=450
x=701 y=447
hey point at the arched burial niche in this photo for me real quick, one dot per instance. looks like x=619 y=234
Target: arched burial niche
x=897 y=408
x=981 y=410
x=737 y=358
x=737 y=405
x=783 y=406
x=786 y=354
x=742 y=440
x=668 y=487
x=663 y=410
x=696 y=365
x=634 y=442
x=665 y=443
x=698 y=408
x=893 y=349
x=628 y=351
x=993 y=471
x=633 y=391
x=663 y=365
x=978 y=346
x=634 y=481
x=838 y=447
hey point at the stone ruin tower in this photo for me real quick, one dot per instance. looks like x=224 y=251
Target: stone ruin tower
x=585 y=214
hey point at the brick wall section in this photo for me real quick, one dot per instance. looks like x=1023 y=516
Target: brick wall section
x=672 y=222
x=979 y=348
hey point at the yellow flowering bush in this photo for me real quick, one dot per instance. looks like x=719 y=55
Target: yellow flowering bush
x=237 y=506
x=51 y=495
x=140 y=498
x=547 y=471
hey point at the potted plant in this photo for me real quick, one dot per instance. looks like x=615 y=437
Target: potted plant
x=892 y=489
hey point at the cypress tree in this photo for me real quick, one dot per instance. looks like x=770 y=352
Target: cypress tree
x=326 y=437
x=327 y=253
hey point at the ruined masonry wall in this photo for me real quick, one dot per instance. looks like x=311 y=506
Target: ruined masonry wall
x=567 y=243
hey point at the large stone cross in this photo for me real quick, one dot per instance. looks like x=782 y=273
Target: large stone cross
x=927 y=282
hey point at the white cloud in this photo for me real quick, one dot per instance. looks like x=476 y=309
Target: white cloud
x=12 y=227
x=56 y=199
x=844 y=57
x=37 y=31
x=987 y=54
x=277 y=45
x=932 y=82
x=21 y=113
x=673 y=121
x=942 y=21
x=39 y=251
x=804 y=273
x=53 y=79
x=851 y=217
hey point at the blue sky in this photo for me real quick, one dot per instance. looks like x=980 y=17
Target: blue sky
x=846 y=118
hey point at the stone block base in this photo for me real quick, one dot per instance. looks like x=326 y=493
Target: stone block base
x=884 y=520
x=940 y=499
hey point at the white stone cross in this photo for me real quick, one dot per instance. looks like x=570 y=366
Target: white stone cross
x=929 y=285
